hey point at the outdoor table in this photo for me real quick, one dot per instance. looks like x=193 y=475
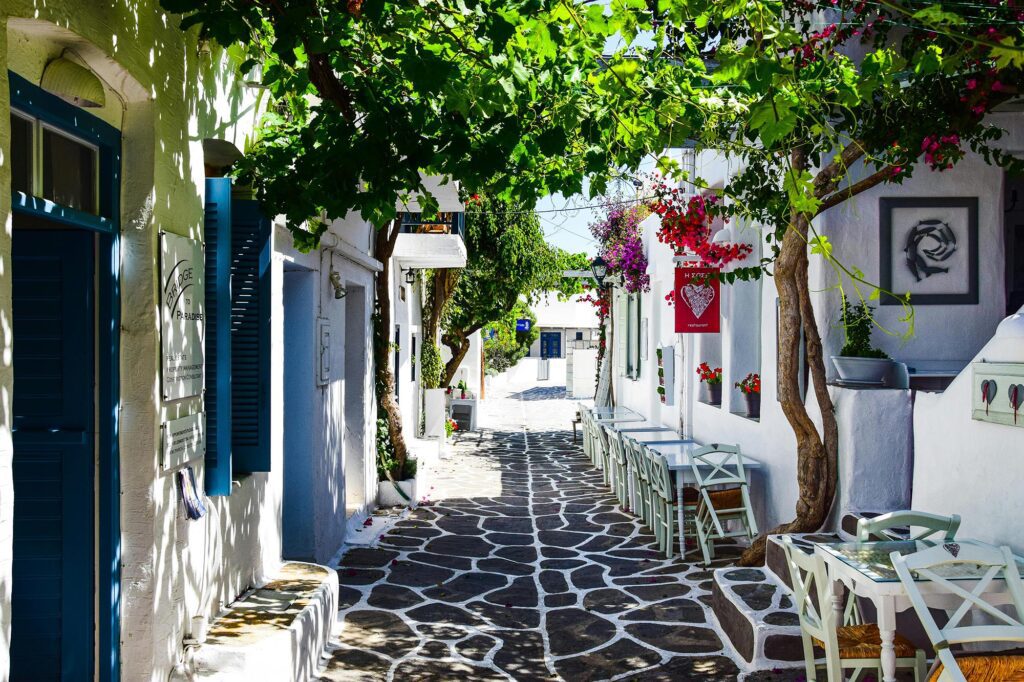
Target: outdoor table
x=677 y=456
x=866 y=570
x=629 y=427
x=652 y=437
x=618 y=415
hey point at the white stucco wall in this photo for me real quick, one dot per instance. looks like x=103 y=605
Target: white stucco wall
x=319 y=443
x=168 y=98
x=969 y=467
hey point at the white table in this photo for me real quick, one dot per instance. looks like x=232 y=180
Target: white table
x=677 y=456
x=618 y=416
x=629 y=427
x=866 y=570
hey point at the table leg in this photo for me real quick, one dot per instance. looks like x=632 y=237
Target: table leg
x=681 y=515
x=837 y=602
x=631 y=491
x=887 y=629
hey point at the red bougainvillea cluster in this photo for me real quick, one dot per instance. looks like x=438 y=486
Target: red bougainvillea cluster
x=686 y=227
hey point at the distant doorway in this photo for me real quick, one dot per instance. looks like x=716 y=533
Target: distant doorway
x=550 y=345
x=357 y=369
x=1013 y=223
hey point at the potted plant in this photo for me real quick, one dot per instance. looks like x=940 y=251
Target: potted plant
x=396 y=486
x=858 y=361
x=450 y=427
x=711 y=383
x=751 y=388
x=462 y=389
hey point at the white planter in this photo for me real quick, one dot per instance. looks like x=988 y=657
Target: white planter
x=434 y=413
x=862 y=370
x=387 y=496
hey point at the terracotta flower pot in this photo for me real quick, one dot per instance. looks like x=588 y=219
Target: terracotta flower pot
x=711 y=393
x=753 y=405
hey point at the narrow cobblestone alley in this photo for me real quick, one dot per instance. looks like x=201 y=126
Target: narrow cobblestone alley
x=523 y=567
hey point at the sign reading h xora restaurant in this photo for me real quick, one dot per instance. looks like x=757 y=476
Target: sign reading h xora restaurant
x=697 y=302
x=181 y=315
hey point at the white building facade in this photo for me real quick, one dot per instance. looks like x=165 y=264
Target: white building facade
x=900 y=448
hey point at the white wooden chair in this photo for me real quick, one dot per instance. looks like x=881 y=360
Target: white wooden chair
x=721 y=480
x=993 y=563
x=919 y=525
x=617 y=465
x=854 y=645
x=601 y=446
x=584 y=413
x=665 y=503
x=638 y=480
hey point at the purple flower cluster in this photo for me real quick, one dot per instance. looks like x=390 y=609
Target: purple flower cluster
x=621 y=247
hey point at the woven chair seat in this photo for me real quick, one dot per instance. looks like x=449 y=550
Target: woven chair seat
x=988 y=668
x=865 y=641
x=690 y=495
x=726 y=498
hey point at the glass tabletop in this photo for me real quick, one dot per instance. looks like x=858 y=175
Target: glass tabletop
x=631 y=427
x=656 y=437
x=872 y=558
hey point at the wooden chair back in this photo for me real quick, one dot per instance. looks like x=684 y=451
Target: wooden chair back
x=924 y=523
x=718 y=465
x=938 y=565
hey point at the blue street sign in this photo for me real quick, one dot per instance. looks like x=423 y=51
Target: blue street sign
x=523 y=325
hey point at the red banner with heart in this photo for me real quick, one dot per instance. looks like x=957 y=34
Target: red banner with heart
x=697 y=301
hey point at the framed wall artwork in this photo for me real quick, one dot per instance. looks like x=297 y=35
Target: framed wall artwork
x=929 y=249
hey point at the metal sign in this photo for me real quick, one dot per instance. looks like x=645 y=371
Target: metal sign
x=182 y=316
x=523 y=325
x=183 y=440
x=697 y=301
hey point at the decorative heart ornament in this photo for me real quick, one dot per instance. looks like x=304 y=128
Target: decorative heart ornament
x=698 y=297
x=952 y=548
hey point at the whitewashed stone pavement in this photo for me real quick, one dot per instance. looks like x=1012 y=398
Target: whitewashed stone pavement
x=521 y=566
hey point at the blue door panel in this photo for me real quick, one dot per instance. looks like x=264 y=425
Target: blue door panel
x=52 y=596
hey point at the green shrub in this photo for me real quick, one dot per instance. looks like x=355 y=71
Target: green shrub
x=858 y=323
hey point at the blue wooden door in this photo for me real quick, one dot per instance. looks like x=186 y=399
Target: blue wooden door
x=52 y=593
x=550 y=345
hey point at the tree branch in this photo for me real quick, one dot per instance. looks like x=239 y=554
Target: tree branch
x=853 y=190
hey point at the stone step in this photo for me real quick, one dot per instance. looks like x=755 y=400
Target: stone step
x=755 y=611
x=275 y=632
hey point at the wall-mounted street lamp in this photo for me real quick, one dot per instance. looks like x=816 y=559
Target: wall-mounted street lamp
x=410 y=276
x=600 y=270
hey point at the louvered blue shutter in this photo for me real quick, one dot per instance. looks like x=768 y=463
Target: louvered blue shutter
x=250 y=338
x=218 y=335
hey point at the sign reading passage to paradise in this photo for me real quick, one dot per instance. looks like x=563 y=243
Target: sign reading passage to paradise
x=697 y=301
x=182 y=316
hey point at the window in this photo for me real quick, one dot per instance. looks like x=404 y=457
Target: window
x=237 y=398
x=70 y=172
x=627 y=334
x=22 y=161
x=579 y=336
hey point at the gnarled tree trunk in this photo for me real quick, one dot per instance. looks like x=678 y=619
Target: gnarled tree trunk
x=384 y=382
x=442 y=286
x=458 y=344
x=817 y=453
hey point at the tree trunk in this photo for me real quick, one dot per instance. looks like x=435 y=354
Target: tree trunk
x=459 y=346
x=442 y=286
x=817 y=455
x=384 y=378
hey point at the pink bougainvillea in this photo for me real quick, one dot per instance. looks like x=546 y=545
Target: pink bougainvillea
x=619 y=235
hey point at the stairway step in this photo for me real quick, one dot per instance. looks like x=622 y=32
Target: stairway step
x=755 y=611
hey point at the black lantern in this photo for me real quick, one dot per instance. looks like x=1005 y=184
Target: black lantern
x=600 y=270
x=410 y=276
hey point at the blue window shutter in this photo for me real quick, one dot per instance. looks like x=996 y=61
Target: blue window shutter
x=218 y=335
x=250 y=338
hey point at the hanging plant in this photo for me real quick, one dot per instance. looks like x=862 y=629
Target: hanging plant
x=621 y=245
x=686 y=227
